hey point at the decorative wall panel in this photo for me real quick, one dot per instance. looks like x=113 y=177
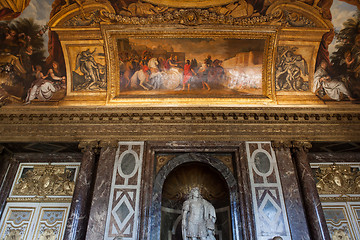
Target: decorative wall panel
x=267 y=196
x=123 y=212
x=27 y=221
x=39 y=201
x=342 y=219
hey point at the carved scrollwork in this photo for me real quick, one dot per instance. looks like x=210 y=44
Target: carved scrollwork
x=236 y=14
x=162 y=160
x=338 y=179
x=87 y=19
x=288 y=18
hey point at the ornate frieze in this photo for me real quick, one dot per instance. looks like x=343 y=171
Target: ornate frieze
x=280 y=123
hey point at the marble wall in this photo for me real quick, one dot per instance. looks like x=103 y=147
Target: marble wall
x=262 y=184
x=123 y=209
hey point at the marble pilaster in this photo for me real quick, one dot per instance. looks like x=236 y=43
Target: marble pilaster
x=291 y=191
x=79 y=211
x=313 y=210
x=101 y=195
x=8 y=168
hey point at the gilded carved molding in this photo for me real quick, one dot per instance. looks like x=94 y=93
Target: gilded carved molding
x=239 y=13
x=86 y=146
x=301 y=145
x=281 y=124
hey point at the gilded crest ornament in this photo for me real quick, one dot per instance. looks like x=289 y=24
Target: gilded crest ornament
x=45 y=181
x=338 y=179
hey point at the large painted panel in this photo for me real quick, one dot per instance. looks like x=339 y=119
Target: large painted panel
x=196 y=66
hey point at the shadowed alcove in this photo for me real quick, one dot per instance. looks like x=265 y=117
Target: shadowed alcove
x=174 y=181
x=176 y=188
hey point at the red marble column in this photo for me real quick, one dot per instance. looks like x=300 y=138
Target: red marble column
x=79 y=211
x=100 y=200
x=313 y=210
x=291 y=190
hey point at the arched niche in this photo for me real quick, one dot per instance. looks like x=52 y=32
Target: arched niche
x=211 y=165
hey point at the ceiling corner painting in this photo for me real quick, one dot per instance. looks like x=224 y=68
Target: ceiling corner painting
x=146 y=51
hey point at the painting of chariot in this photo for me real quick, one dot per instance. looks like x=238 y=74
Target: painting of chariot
x=190 y=66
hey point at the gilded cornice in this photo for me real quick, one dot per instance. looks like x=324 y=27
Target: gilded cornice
x=226 y=124
x=283 y=13
x=280 y=13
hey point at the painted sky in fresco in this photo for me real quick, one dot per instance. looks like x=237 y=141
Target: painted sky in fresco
x=341 y=12
x=39 y=10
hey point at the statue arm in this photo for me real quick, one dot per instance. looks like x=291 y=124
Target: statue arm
x=185 y=211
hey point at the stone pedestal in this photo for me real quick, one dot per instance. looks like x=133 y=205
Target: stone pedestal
x=100 y=201
x=291 y=191
x=313 y=210
x=79 y=211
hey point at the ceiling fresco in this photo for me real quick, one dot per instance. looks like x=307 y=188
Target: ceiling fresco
x=50 y=52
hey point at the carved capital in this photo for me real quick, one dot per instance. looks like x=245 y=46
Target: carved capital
x=108 y=144
x=89 y=146
x=281 y=145
x=301 y=145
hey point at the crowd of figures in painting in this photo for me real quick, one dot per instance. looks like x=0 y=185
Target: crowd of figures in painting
x=190 y=64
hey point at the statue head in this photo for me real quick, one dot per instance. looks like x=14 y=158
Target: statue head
x=194 y=193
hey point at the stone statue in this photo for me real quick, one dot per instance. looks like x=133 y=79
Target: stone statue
x=198 y=218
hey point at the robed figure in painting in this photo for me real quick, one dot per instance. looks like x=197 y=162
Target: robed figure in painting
x=198 y=218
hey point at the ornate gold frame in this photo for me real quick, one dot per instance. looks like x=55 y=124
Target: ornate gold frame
x=112 y=33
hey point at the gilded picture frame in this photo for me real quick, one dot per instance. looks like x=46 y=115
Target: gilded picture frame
x=121 y=43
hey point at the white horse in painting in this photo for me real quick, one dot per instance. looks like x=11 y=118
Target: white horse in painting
x=140 y=77
x=157 y=79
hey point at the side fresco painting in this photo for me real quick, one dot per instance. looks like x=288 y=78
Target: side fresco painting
x=25 y=73
x=337 y=75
